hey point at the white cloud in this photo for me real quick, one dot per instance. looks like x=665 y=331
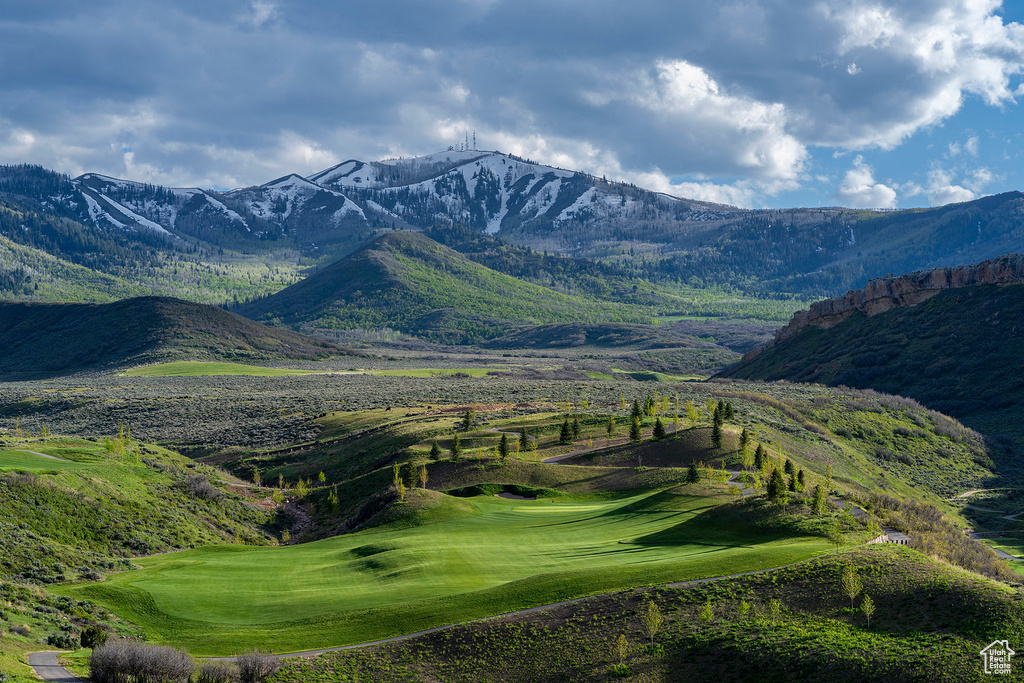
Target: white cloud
x=260 y=12
x=941 y=190
x=978 y=179
x=853 y=69
x=860 y=191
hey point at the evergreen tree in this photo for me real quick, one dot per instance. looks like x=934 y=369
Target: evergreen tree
x=503 y=448
x=469 y=418
x=716 y=435
x=456 y=449
x=435 y=451
x=800 y=480
x=744 y=441
x=692 y=475
x=635 y=433
x=777 y=487
x=636 y=409
x=729 y=412
x=524 y=440
x=575 y=427
x=565 y=435
x=789 y=466
x=659 y=429
x=610 y=427
x=792 y=483
x=759 y=457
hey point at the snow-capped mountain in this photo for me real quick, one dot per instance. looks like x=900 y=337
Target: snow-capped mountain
x=340 y=208
x=500 y=193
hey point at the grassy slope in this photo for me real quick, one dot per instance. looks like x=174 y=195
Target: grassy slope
x=509 y=555
x=408 y=282
x=956 y=353
x=930 y=624
x=92 y=514
x=43 y=339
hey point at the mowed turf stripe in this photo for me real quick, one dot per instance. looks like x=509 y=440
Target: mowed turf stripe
x=366 y=586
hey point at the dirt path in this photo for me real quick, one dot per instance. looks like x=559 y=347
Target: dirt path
x=47 y=667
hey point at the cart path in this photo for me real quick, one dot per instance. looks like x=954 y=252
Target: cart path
x=41 y=455
x=47 y=667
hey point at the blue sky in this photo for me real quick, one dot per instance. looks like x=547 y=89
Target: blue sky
x=760 y=103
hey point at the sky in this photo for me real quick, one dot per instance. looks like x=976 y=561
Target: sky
x=754 y=103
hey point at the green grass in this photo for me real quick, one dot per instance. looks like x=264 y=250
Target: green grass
x=434 y=372
x=201 y=369
x=510 y=555
x=23 y=461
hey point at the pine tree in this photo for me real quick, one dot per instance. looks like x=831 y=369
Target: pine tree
x=729 y=412
x=575 y=427
x=456 y=448
x=759 y=457
x=777 y=487
x=692 y=475
x=716 y=434
x=435 y=451
x=800 y=480
x=635 y=433
x=792 y=483
x=610 y=427
x=524 y=440
x=659 y=429
x=503 y=448
x=789 y=466
x=744 y=441
x=565 y=435
x=636 y=409
x=469 y=418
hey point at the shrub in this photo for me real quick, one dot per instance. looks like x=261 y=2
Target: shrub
x=199 y=486
x=93 y=636
x=63 y=641
x=216 y=672
x=125 y=661
x=256 y=666
x=20 y=630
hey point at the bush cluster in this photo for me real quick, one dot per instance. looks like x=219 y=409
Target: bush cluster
x=126 y=661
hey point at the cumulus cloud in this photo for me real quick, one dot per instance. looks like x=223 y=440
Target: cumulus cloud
x=860 y=191
x=942 y=190
x=724 y=101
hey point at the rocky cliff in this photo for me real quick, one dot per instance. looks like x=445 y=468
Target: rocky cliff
x=886 y=293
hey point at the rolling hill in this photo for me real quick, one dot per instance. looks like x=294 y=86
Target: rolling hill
x=408 y=282
x=949 y=338
x=55 y=339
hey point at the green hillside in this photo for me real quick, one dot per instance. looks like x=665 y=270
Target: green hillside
x=408 y=282
x=959 y=353
x=50 y=339
x=91 y=505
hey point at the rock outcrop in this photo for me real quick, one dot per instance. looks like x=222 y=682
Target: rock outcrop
x=886 y=293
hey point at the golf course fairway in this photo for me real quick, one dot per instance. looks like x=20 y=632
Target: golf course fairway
x=504 y=555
